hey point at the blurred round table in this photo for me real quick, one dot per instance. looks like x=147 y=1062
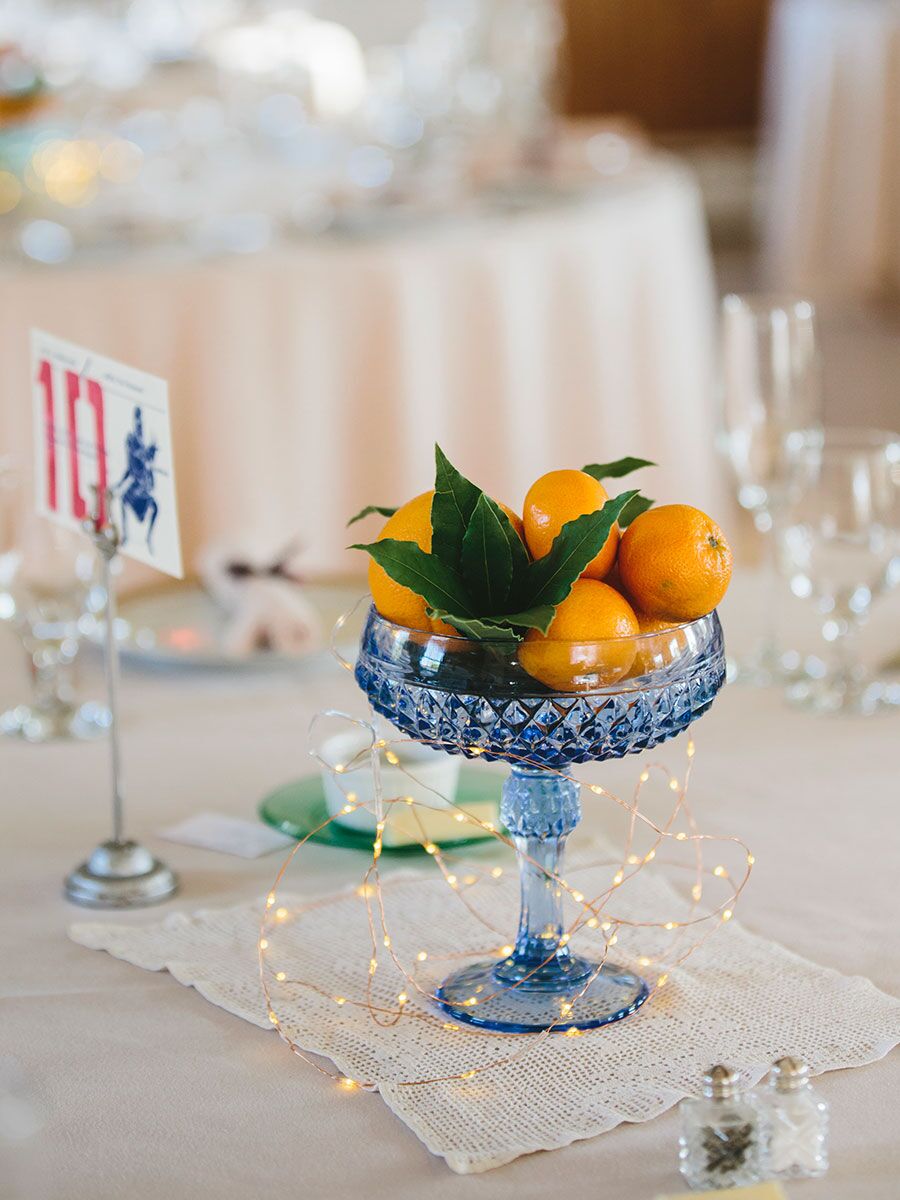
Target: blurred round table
x=311 y=379
x=832 y=223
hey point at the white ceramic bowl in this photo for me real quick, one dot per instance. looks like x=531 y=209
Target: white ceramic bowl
x=431 y=782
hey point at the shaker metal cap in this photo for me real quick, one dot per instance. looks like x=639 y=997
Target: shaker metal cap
x=720 y=1083
x=789 y=1073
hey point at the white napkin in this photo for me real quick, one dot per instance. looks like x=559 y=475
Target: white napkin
x=264 y=599
x=227 y=835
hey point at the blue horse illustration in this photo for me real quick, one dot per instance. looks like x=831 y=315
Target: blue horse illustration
x=139 y=475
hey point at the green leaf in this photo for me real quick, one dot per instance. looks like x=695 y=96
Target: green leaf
x=633 y=509
x=367 y=512
x=451 y=509
x=475 y=627
x=521 y=560
x=486 y=558
x=550 y=578
x=615 y=470
x=539 y=616
x=425 y=574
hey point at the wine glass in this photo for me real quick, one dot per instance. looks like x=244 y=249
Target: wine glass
x=839 y=546
x=48 y=596
x=771 y=400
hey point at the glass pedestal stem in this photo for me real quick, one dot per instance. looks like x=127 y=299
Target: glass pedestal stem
x=542 y=984
x=540 y=809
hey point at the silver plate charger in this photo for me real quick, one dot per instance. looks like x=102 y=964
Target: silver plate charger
x=183 y=627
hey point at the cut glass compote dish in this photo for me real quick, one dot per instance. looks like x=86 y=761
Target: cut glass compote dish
x=605 y=699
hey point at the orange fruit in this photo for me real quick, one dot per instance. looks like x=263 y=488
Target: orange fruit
x=674 y=562
x=412 y=523
x=515 y=520
x=561 y=496
x=654 y=624
x=573 y=655
x=655 y=653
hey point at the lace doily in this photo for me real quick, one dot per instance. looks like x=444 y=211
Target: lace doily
x=739 y=999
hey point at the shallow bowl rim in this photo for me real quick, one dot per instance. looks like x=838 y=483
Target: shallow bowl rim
x=508 y=644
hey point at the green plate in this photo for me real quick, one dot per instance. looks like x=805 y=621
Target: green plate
x=298 y=807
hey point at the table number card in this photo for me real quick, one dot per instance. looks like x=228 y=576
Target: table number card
x=98 y=423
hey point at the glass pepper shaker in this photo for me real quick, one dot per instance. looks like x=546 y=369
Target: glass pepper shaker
x=719 y=1144
x=795 y=1123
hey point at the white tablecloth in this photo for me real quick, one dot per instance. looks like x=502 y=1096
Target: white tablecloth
x=832 y=221
x=147 y=1089
x=310 y=381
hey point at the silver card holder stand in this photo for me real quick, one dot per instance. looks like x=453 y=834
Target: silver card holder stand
x=119 y=873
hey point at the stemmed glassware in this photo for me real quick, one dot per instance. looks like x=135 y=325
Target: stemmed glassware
x=771 y=407
x=48 y=593
x=469 y=697
x=839 y=546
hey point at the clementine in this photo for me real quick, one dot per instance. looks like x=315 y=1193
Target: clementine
x=589 y=643
x=559 y=497
x=675 y=562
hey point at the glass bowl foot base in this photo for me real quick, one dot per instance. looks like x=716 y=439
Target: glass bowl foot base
x=614 y=993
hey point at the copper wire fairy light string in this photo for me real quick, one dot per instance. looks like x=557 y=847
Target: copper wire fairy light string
x=595 y=908
x=588 y=917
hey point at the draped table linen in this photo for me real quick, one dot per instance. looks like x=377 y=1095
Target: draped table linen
x=832 y=212
x=312 y=379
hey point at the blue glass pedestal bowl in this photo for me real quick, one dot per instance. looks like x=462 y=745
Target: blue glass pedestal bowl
x=577 y=702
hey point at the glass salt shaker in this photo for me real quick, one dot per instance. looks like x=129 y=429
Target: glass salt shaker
x=719 y=1144
x=795 y=1123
